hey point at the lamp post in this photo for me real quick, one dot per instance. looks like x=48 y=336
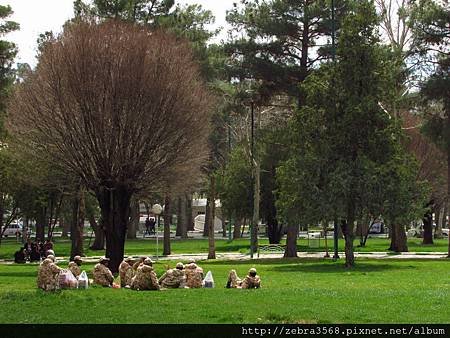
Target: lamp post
x=157 y=209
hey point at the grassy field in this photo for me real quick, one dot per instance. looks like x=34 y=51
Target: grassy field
x=294 y=291
x=178 y=246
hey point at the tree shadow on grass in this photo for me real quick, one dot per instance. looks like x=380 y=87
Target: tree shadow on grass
x=340 y=268
x=18 y=274
x=267 y=261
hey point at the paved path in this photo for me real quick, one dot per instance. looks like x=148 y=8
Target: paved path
x=243 y=257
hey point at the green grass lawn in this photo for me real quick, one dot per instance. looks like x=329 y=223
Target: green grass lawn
x=178 y=246
x=293 y=291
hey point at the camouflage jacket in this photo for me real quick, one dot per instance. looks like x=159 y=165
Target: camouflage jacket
x=126 y=273
x=173 y=278
x=136 y=265
x=194 y=276
x=102 y=275
x=234 y=281
x=251 y=282
x=75 y=269
x=145 y=279
x=48 y=275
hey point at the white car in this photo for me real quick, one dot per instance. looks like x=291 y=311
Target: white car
x=14 y=229
x=445 y=232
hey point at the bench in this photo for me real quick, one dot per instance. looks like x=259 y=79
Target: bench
x=271 y=248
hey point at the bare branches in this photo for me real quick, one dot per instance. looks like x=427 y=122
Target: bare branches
x=394 y=22
x=116 y=104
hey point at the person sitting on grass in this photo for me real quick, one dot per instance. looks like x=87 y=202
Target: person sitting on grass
x=49 y=252
x=102 y=275
x=48 y=274
x=35 y=255
x=173 y=278
x=48 y=245
x=252 y=281
x=145 y=278
x=126 y=272
x=234 y=282
x=74 y=266
x=194 y=275
x=138 y=263
x=20 y=256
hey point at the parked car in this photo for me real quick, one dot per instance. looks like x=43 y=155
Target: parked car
x=445 y=232
x=14 y=229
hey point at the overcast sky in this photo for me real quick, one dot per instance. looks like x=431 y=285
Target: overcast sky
x=38 y=16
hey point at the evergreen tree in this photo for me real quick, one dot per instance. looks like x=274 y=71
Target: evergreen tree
x=8 y=52
x=346 y=146
x=432 y=41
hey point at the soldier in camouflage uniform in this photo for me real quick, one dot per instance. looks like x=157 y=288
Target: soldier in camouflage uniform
x=138 y=263
x=252 y=281
x=194 y=275
x=173 y=278
x=74 y=266
x=234 y=282
x=126 y=272
x=48 y=274
x=145 y=278
x=102 y=275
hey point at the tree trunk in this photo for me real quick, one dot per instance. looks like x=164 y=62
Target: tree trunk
x=439 y=223
x=40 y=225
x=182 y=217
x=77 y=224
x=167 y=213
x=225 y=224
x=291 y=241
x=392 y=237
x=448 y=183
x=243 y=227
x=115 y=208
x=179 y=201
x=2 y=214
x=65 y=227
x=398 y=240
x=207 y=217
x=184 y=220
x=362 y=230
x=133 y=223
x=428 y=227
x=349 y=236
x=99 y=233
x=212 y=211
x=256 y=201
x=189 y=218
x=366 y=235
x=274 y=230
x=237 y=228
x=26 y=225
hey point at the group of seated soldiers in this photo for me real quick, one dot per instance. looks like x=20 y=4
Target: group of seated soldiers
x=140 y=275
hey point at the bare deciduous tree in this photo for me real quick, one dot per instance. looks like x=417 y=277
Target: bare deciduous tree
x=122 y=107
x=394 y=22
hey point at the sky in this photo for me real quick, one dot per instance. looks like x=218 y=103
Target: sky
x=38 y=16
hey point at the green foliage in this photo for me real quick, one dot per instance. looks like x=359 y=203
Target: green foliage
x=347 y=161
x=436 y=91
x=432 y=40
x=235 y=186
x=8 y=51
x=142 y=11
x=281 y=41
x=429 y=21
